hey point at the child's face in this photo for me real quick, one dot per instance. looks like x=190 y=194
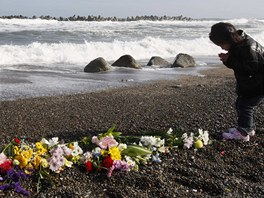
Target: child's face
x=225 y=46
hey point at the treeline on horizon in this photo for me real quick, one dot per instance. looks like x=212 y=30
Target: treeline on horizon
x=100 y=18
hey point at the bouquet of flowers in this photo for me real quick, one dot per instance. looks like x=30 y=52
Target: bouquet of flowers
x=107 y=152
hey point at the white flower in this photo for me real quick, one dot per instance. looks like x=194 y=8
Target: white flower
x=87 y=156
x=150 y=141
x=204 y=136
x=169 y=132
x=122 y=146
x=77 y=149
x=155 y=158
x=96 y=151
x=130 y=161
x=52 y=142
x=147 y=157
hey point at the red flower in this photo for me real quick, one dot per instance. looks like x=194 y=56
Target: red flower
x=108 y=162
x=17 y=141
x=6 y=166
x=89 y=166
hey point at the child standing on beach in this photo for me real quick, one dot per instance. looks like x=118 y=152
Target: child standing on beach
x=246 y=57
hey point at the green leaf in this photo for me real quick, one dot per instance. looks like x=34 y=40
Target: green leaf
x=86 y=140
x=110 y=132
x=9 y=150
x=43 y=174
x=135 y=150
x=116 y=134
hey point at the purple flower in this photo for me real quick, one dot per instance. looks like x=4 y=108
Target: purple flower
x=20 y=190
x=23 y=175
x=57 y=151
x=55 y=163
x=5 y=187
x=13 y=175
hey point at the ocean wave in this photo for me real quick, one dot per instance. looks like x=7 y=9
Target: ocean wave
x=11 y=25
x=79 y=54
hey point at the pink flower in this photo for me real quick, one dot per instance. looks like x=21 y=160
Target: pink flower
x=95 y=140
x=107 y=142
x=118 y=165
x=222 y=153
x=3 y=158
x=121 y=165
x=188 y=142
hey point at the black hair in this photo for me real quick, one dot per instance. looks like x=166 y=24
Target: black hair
x=225 y=33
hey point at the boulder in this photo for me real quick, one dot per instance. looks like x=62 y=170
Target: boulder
x=156 y=60
x=126 y=61
x=97 y=65
x=183 y=60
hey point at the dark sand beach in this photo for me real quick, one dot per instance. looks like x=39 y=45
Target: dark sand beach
x=189 y=103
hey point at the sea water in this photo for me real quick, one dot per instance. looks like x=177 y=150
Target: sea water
x=47 y=57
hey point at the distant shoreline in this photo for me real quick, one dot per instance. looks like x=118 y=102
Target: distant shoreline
x=101 y=18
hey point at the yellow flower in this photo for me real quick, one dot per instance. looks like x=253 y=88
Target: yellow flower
x=68 y=163
x=115 y=153
x=44 y=163
x=71 y=146
x=29 y=169
x=104 y=153
x=27 y=154
x=16 y=150
x=22 y=161
x=36 y=161
x=39 y=145
x=42 y=151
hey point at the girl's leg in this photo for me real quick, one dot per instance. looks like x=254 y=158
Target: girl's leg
x=245 y=108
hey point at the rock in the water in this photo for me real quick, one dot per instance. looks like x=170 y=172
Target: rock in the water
x=183 y=60
x=157 y=60
x=97 y=65
x=126 y=61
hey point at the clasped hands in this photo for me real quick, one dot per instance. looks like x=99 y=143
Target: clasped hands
x=223 y=56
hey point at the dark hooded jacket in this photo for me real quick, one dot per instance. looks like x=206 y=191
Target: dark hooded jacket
x=247 y=61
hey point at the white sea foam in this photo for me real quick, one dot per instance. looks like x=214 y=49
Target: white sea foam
x=75 y=43
x=72 y=53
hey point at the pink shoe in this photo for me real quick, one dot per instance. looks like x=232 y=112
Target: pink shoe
x=235 y=135
x=251 y=133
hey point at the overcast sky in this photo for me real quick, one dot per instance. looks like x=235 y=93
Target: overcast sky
x=122 y=8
